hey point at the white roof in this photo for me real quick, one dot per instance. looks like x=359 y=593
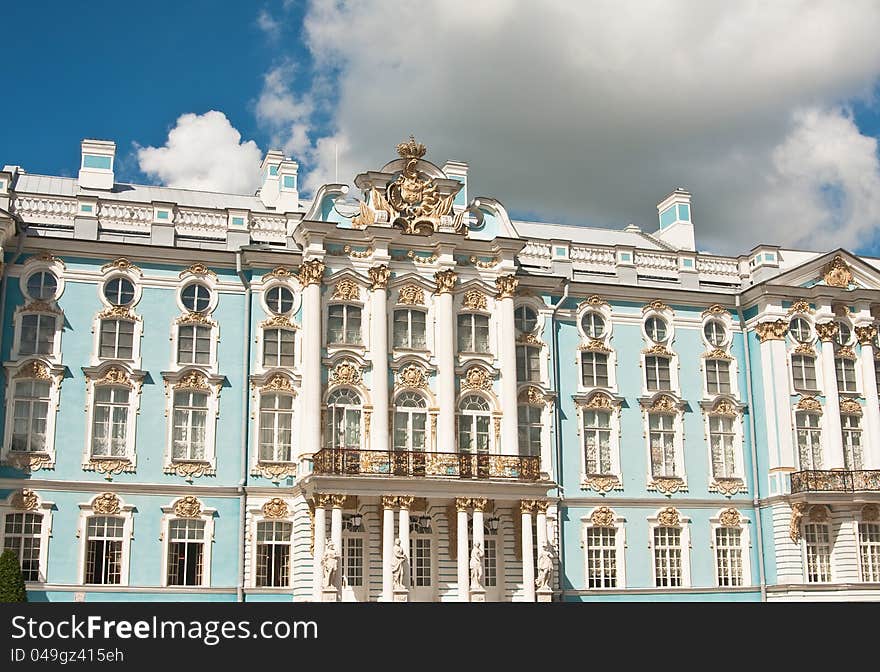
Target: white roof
x=588 y=235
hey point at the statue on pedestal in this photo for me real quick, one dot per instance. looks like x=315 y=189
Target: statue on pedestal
x=399 y=567
x=330 y=564
x=477 y=556
x=545 y=568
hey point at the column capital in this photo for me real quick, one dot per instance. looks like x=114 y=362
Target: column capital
x=866 y=334
x=462 y=503
x=506 y=286
x=445 y=280
x=338 y=501
x=405 y=501
x=526 y=505
x=323 y=501
x=826 y=331
x=479 y=503
x=771 y=331
x=379 y=276
x=389 y=501
x=311 y=272
x=541 y=505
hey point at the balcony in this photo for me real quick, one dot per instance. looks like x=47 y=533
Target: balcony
x=835 y=481
x=356 y=462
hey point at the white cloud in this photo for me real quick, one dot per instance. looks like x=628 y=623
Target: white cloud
x=204 y=151
x=268 y=25
x=591 y=112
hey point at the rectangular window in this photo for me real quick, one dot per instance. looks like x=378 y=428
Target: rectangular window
x=22 y=536
x=190 y=430
x=473 y=333
x=529 y=429
x=420 y=559
x=728 y=556
x=30 y=410
x=344 y=324
x=528 y=363
x=37 y=335
x=809 y=440
x=490 y=562
x=721 y=440
x=601 y=557
x=353 y=561
x=657 y=376
x=667 y=557
x=110 y=424
x=409 y=329
x=851 y=430
x=662 y=438
x=594 y=369
x=278 y=347
x=846 y=374
x=803 y=371
x=193 y=344
x=186 y=552
x=869 y=551
x=273 y=554
x=717 y=376
x=817 y=540
x=276 y=427
x=104 y=537
x=116 y=340
x=597 y=442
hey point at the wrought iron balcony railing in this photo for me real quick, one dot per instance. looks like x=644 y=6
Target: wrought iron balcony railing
x=835 y=481
x=353 y=461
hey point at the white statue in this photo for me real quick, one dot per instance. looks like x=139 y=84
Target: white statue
x=477 y=566
x=399 y=567
x=330 y=564
x=545 y=568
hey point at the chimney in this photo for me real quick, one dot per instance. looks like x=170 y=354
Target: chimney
x=270 y=192
x=288 y=199
x=676 y=226
x=96 y=167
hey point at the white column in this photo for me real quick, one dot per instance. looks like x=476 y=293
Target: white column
x=445 y=349
x=541 y=523
x=405 y=503
x=336 y=533
x=379 y=356
x=767 y=331
x=388 y=504
x=464 y=579
x=528 y=555
x=507 y=363
x=479 y=504
x=871 y=430
x=310 y=275
x=320 y=533
x=831 y=437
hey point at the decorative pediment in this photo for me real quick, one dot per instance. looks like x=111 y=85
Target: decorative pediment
x=279 y=273
x=275 y=508
x=106 y=504
x=118 y=313
x=800 y=307
x=716 y=310
x=809 y=404
x=837 y=273
x=278 y=383
x=850 y=407
x=196 y=318
x=730 y=518
x=662 y=403
x=598 y=401
x=596 y=345
x=594 y=301
x=533 y=395
x=602 y=517
x=122 y=265
x=669 y=517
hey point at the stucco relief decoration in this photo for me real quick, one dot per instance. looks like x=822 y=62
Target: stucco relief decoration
x=420 y=258
x=198 y=269
x=870 y=513
x=195 y=318
x=411 y=295
x=413 y=376
x=275 y=508
x=805 y=349
x=595 y=345
x=106 y=504
x=826 y=330
x=311 y=272
x=656 y=306
x=818 y=514
x=29 y=461
x=122 y=264
x=850 y=407
x=716 y=310
x=505 y=286
x=598 y=401
x=800 y=307
x=669 y=517
x=192 y=381
x=667 y=486
x=809 y=404
x=866 y=334
x=664 y=404
x=474 y=300
x=188 y=507
x=445 y=281
x=771 y=331
x=602 y=517
x=718 y=353
x=346 y=290
x=35 y=370
x=275 y=471
x=190 y=470
x=282 y=321
x=533 y=396
x=115 y=376
x=39 y=306
x=602 y=483
x=724 y=408
x=476 y=378
x=845 y=352
x=837 y=273
x=481 y=263
x=660 y=350
x=279 y=273
x=730 y=518
x=794 y=524
x=278 y=383
x=110 y=467
x=594 y=301
x=727 y=486
x=379 y=276
x=346 y=373
x=356 y=253
x=118 y=313
x=27 y=500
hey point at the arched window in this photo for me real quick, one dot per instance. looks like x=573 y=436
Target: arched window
x=530 y=426
x=343 y=428
x=410 y=420
x=473 y=425
x=276 y=427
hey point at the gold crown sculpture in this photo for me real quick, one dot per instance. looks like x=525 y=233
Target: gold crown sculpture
x=411 y=149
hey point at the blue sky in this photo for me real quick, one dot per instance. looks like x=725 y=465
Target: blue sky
x=559 y=121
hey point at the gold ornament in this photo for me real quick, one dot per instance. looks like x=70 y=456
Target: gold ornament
x=724 y=408
x=601 y=483
x=602 y=517
x=106 y=504
x=809 y=404
x=850 y=407
x=36 y=370
x=870 y=513
x=837 y=273
x=474 y=300
x=115 y=376
x=506 y=286
x=476 y=378
x=667 y=486
x=800 y=307
x=379 y=276
x=389 y=501
x=278 y=383
x=188 y=507
x=118 y=313
x=413 y=376
x=479 y=503
x=198 y=269
x=276 y=471
x=771 y=331
x=411 y=295
x=311 y=272
x=669 y=517
x=194 y=380
x=866 y=334
x=826 y=330
x=794 y=525
x=445 y=281
x=346 y=290
x=657 y=306
x=527 y=506
x=730 y=518
x=664 y=404
x=346 y=372
x=26 y=500
x=275 y=508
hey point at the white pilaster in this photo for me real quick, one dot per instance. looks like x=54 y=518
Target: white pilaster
x=541 y=523
x=783 y=416
x=461 y=506
x=445 y=350
x=831 y=437
x=528 y=555
x=320 y=533
x=871 y=432
x=336 y=533
x=774 y=457
x=507 y=363
x=477 y=523
x=388 y=504
x=405 y=503
x=379 y=356
x=310 y=275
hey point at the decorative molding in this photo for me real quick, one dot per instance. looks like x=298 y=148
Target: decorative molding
x=660 y=350
x=35 y=370
x=730 y=518
x=278 y=321
x=346 y=290
x=479 y=503
x=311 y=272
x=474 y=300
x=602 y=483
x=121 y=264
x=198 y=269
x=668 y=486
x=800 y=307
x=190 y=470
x=445 y=281
x=871 y=513
x=716 y=310
x=727 y=486
x=850 y=407
x=188 y=507
x=595 y=345
x=527 y=506
x=279 y=273
x=598 y=401
x=110 y=467
x=805 y=349
x=461 y=504
x=278 y=383
x=476 y=378
x=116 y=376
x=530 y=339
x=275 y=508
x=506 y=286
x=194 y=380
x=866 y=334
x=663 y=404
x=724 y=408
x=809 y=404
x=602 y=517
x=533 y=395
x=771 y=331
x=276 y=471
x=845 y=352
x=195 y=318
x=657 y=306
x=479 y=263
x=379 y=276
x=346 y=372
x=106 y=504
x=669 y=517
x=718 y=353
x=358 y=254
x=39 y=306
x=27 y=500
x=826 y=330
x=819 y=513
x=411 y=295
x=413 y=376
x=119 y=313
x=837 y=273
x=594 y=301
x=794 y=524
x=29 y=462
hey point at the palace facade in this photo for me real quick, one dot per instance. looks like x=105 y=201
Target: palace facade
x=408 y=396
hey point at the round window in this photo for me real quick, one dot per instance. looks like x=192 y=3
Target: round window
x=525 y=319
x=42 y=286
x=196 y=298
x=119 y=291
x=280 y=300
x=715 y=332
x=844 y=333
x=655 y=327
x=593 y=325
x=800 y=330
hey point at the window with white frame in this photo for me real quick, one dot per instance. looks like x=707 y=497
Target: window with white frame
x=190 y=425
x=869 y=551
x=30 y=411
x=722 y=441
x=344 y=324
x=803 y=372
x=877 y=372
x=490 y=554
x=473 y=333
x=597 y=441
x=105 y=537
x=593 y=324
x=42 y=286
x=851 y=429
x=193 y=344
x=116 y=340
x=656 y=329
x=420 y=560
x=594 y=369
x=717 y=376
x=600 y=546
x=410 y=422
x=728 y=556
x=817 y=552
x=529 y=427
x=278 y=347
x=800 y=330
x=715 y=333
x=276 y=426
x=23 y=534
x=410 y=329
x=843 y=335
x=110 y=421
x=657 y=373
x=343 y=428
x=528 y=363
x=525 y=319
x=353 y=560
x=473 y=425
x=279 y=300
x=668 y=569
x=809 y=440
x=273 y=554
x=119 y=291
x=661 y=433
x=196 y=297
x=186 y=552
x=846 y=374
x=37 y=334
